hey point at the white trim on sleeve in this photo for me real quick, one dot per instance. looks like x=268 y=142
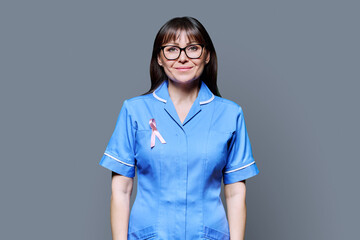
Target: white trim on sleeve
x=240 y=167
x=118 y=160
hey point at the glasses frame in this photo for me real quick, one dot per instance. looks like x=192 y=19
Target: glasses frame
x=183 y=49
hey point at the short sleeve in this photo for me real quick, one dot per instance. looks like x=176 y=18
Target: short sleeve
x=240 y=163
x=119 y=153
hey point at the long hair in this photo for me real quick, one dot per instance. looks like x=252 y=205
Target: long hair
x=194 y=31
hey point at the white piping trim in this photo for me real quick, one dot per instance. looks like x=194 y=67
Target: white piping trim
x=158 y=98
x=207 y=101
x=118 y=160
x=240 y=167
x=202 y=102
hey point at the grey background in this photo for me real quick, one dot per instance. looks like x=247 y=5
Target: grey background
x=66 y=67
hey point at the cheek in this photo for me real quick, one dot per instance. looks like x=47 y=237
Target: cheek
x=166 y=63
x=200 y=63
x=201 y=67
x=167 y=69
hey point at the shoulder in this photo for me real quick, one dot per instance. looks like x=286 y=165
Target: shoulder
x=228 y=105
x=226 y=114
x=231 y=116
x=140 y=98
x=138 y=101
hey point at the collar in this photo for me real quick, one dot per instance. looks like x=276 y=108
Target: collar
x=205 y=96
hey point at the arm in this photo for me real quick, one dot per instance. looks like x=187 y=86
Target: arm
x=235 y=194
x=121 y=188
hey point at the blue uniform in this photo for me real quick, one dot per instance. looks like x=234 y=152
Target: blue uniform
x=179 y=181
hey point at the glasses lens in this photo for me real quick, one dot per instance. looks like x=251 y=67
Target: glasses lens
x=193 y=51
x=171 y=52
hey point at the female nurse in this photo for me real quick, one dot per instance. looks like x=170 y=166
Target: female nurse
x=183 y=138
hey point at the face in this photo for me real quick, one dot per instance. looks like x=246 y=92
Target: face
x=183 y=69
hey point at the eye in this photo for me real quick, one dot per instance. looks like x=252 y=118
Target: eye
x=193 y=48
x=171 y=49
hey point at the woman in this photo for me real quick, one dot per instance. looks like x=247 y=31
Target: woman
x=184 y=138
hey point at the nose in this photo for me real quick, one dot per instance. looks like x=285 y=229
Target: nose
x=183 y=57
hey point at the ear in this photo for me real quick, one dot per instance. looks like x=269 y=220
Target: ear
x=159 y=60
x=207 y=60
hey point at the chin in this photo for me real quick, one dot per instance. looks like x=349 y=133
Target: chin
x=184 y=80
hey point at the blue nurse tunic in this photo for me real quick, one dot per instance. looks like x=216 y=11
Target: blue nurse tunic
x=179 y=179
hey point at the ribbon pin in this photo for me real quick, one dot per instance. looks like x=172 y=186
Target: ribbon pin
x=155 y=132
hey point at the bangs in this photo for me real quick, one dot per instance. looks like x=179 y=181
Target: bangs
x=173 y=33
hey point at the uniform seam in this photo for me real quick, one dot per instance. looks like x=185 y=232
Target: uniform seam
x=138 y=98
x=135 y=128
x=205 y=162
x=227 y=101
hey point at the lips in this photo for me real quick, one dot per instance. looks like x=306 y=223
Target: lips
x=183 y=68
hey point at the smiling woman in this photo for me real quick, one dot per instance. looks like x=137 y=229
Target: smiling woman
x=184 y=139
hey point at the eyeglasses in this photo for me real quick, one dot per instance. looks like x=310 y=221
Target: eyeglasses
x=192 y=51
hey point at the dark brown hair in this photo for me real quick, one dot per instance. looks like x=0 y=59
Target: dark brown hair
x=194 y=31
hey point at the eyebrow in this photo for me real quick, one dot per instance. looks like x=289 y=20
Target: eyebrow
x=178 y=44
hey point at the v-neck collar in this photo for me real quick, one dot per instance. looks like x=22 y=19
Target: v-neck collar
x=161 y=93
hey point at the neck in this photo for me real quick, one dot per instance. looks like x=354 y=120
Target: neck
x=183 y=92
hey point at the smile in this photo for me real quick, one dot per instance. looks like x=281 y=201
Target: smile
x=183 y=69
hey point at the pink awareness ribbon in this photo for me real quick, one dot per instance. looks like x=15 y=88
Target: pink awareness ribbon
x=155 y=132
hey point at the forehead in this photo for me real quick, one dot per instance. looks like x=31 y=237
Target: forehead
x=181 y=34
